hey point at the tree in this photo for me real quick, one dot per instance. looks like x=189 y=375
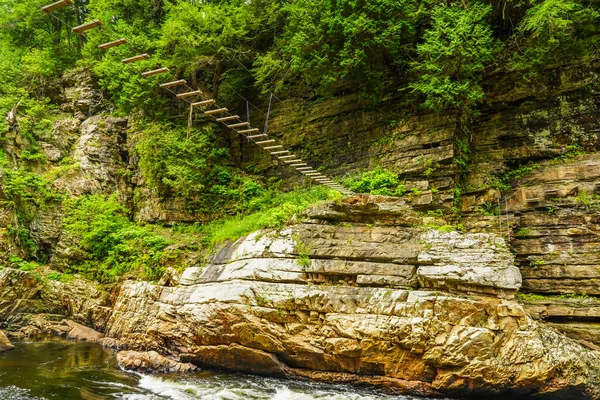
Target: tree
x=555 y=30
x=336 y=44
x=210 y=40
x=456 y=49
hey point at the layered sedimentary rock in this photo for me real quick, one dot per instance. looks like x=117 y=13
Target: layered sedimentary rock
x=384 y=302
x=389 y=304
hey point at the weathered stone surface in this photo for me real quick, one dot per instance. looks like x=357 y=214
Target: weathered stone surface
x=359 y=331
x=151 y=361
x=260 y=307
x=80 y=332
x=367 y=209
x=5 y=344
x=19 y=291
x=478 y=261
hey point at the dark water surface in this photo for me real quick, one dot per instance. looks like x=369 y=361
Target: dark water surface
x=61 y=369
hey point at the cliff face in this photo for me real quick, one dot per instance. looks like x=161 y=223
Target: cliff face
x=538 y=139
x=357 y=292
x=366 y=290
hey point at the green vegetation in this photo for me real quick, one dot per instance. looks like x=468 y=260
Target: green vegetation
x=571 y=151
x=437 y=54
x=303 y=250
x=510 y=178
x=21 y=264
x=456 y=49
x=536 y=263
x=275 y=212
x=110 y=244
x=377 y=181
x=446 y=228
x=532 y=297
x=588 y=200
x=523 y=232
x=191 y=165
x=442 y=51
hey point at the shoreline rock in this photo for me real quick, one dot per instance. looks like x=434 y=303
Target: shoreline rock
x=151 y=361
x=395 y=306
x=5 y=344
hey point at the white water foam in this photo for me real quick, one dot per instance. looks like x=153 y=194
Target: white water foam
x=245 y=388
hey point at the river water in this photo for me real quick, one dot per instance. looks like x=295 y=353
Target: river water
x=61 y=369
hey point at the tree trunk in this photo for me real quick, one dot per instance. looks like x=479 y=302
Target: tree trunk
x=217 y=79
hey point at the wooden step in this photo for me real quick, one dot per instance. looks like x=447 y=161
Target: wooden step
x=249 y=131
x=303 y=168
x=189 y=94
x=173 y=83
x=266 y=141
x=286 y=157
x=55 y=6
x=154 y=72
x=293 y=161
x=217 y=111
x=241 y=124
x=257 y=136
x=203 y=103
x=87 y=26
x=228 y=118
x=135 y=58
x=114 y=43
x=273 y=147
x=276 y=153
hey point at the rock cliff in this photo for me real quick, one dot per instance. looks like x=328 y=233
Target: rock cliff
x=384 y=302
x=370 y=290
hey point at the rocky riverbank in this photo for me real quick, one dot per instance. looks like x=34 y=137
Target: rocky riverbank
x=362 y=290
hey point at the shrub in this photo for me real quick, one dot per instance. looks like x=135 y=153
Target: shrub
x=273 y=213
x=377 y=181
x=112 y=245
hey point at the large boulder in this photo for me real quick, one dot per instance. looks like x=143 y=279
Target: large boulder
x=151 y=361
x=5 y=344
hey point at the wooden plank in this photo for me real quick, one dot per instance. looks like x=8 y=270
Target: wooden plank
x=286 y=157
x=266 y=141
x=114 y=43
x=189 y=94
x=257 y=136
x=250 y=130
x=173 y=83
x=87 y=26
x=155 y=72
x=313 y=174
x=303 y=168
x=135 y=58
x=203 y=103
x=55 y=6
x=589 y=345
x=238 y=125
x=229 y=118
x=273 y=147
x=276 y=153
x=293 y=161
x=217 y=111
